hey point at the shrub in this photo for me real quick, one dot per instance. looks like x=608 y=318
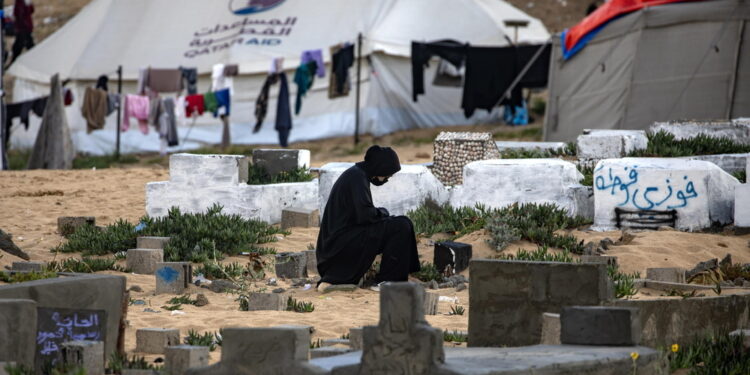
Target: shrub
x=299 y=306
x=90 y=240
x=624 y=282
x=196 y=339
x=428 y=272
x=118 y=362
x=457 y=310
x=664 y=144
x=213 y=270
x=718 y=354
x=258 y=175
x=454 y=336
x=588 y=175
x=501 y=233
x=430 y=218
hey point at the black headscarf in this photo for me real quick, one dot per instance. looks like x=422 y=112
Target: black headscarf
x=380 y=161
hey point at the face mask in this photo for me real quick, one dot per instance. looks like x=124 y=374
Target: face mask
x=377 y=182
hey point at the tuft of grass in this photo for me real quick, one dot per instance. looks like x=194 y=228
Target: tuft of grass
x=714 y=354
x=299 y=306
x=428 y=272
x=664 y=144
x=119 y=362
x=90 y=240
x=316 y=344
x=20 y=277
x=430 y=218
x=454 y=336
x=588 y=175
x=18 y=159
x=84 y=265
x=457 y=310
x=624 y=282
x=214 y=270
x=541 y=254
x=206 y=339
x=258 y=175
x=84 y=161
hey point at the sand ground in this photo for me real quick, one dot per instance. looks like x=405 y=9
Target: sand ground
x=31 y=201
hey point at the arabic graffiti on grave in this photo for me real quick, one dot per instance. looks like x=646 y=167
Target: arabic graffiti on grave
x=56 y=326
x=671 y=193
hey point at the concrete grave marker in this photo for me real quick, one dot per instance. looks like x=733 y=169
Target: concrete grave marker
x=668 y=274
x=454 y=254
x=299 y=217
x=155 y=340
x=267 y=301
x=600 y=325
x=179 y=358
x=144 y=261
x=173 y=277
x=66 y=225
x=18 y=329
x=550 y=329
x=291 y=265
x=78 y=323
x=29 y=266
x=88 y=355
x=151 y=242
x=312 y=262
x=453 y=150
x=275 y=161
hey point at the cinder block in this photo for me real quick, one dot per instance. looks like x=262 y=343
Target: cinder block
x=328 y=351
x=600 y=325
x=18 y=330
x=155 y=340
x=298 y=217
x=66 y=225
x=207 y=170
x=431 y=303
x=609 y=260
x=742 y=205
x=355 y=338
x=173 y=277
x=454 y=254
x=291 y=265
x=179 y=358
x=668 y=274
x=29 y=266
x=507 y=298
x=143 y=261
x=152 y=242
x=312 y=262
x=88 y=355
x=275 y=161
x=267 y=301
x=550 y=329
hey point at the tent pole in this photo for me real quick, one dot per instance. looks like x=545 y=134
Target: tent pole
x=359 y=69
x=3 y=151
x=119 y=93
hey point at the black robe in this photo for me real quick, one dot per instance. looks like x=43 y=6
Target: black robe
x=353 y=230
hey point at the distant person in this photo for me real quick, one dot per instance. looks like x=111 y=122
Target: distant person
x=353 y=231
x=24 y=25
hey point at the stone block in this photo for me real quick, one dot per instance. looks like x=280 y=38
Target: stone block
x=742 y=205
x=178 y=359
x=454 y=150
x=18 y=329
x=600 y=325
x=291 y=265
x=454 y=254
x=66 y=225
x=332 y=342
x=730 y=163
x=736 y=130
x=550 y=329
x=207 y=170
x=431 y=303
x=29 y=266
x=355 y=338
x=545 y=146
x=267 y=301
x=155 y=340
x=668 y=274
x=301 y=341
x=405 y=191
x=642 y=192
x=607 y=144
x=328 y=351
x=609 y=260
x=507 y=298
x=173 y=277
x=500 y=183
x=88 y=355
x=296 y=217
x=275 y=161
x=151 y=242
x=312 y=262
x=144 y=261
x=87 y=293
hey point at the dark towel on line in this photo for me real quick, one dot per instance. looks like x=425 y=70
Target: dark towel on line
x=190 y=78
x=304 y=77
x=261 y=104
x=449 y=50
x=342 y=58
x=164 y=80
x=283 y=112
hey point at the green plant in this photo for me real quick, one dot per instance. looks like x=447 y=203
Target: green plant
x=83 y=161
x=526 y=154
x=428 y=272
x=624 y=282
x=183 y=299
x=213 y=270
x=90 y=240
x=664 y=144
x=541 y=254
x=741 y=176
x=679 y=293
x=713 y=354
x=18 y=370
x=315 y=344
x=196 y=339
x=430 y=218
x=501 y=233
x=20 y=277
x=119 y=362
x=299 y=306
x=588 y=174
x=345 y=336
x=454 y=336
x=258 y=175
x=538 y=106
x=310 y=246
x=84 y=265
x=172 y=307
x=457 y=310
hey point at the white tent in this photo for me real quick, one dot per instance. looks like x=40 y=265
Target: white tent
x=201 y=33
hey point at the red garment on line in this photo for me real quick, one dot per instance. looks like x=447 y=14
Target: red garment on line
x=605 y=13
x=194 y=103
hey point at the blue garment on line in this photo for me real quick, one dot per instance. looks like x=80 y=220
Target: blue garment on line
x=224 y=100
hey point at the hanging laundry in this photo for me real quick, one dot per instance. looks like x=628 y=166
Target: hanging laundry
x=209 y=102
x=447 y=75
x=317 y=56
x=113 y=103
x=142 y=79
x=190 y=79
x=94 y=108
x=136 y=106
x=342 y=58
x=195 y=105
x=231 y=70
x=164 y=80
x=261 y=104
x=223 y=102
x=283 y=112
x=154 y=112
x=22 y=110
x=67 y=96
x=304 y=77
x=219 y=80
x=179 y=109
x=421 y=53
x=101 y=82
x=277 y=65
x=168 y=122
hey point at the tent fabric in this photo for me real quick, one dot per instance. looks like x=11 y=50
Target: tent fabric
x=200 y=33
x=53 y=148
x=575 y=38
x=689 y=60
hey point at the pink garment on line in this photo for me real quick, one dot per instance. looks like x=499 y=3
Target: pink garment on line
x=137 y=106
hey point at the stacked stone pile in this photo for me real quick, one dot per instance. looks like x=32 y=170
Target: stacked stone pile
x=453 y=150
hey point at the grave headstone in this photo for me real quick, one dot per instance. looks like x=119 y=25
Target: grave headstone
x=431 y=303
x=87 y=355
x=742 y=205
x=355 y=338
x=18 y=331
x=151 y=242
x=300 y=217
x=302 y=341
x=56 y=326
x=143 y=261
x=267 y=301
x=600 y=325
x=173 y=277
x=155 y=340
x=66 y=225
x=275 y=161
x=668 y=274
x=603 y=259
x=179 y=358
x=291 y=265
x=29 y=266
x=454 y=254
